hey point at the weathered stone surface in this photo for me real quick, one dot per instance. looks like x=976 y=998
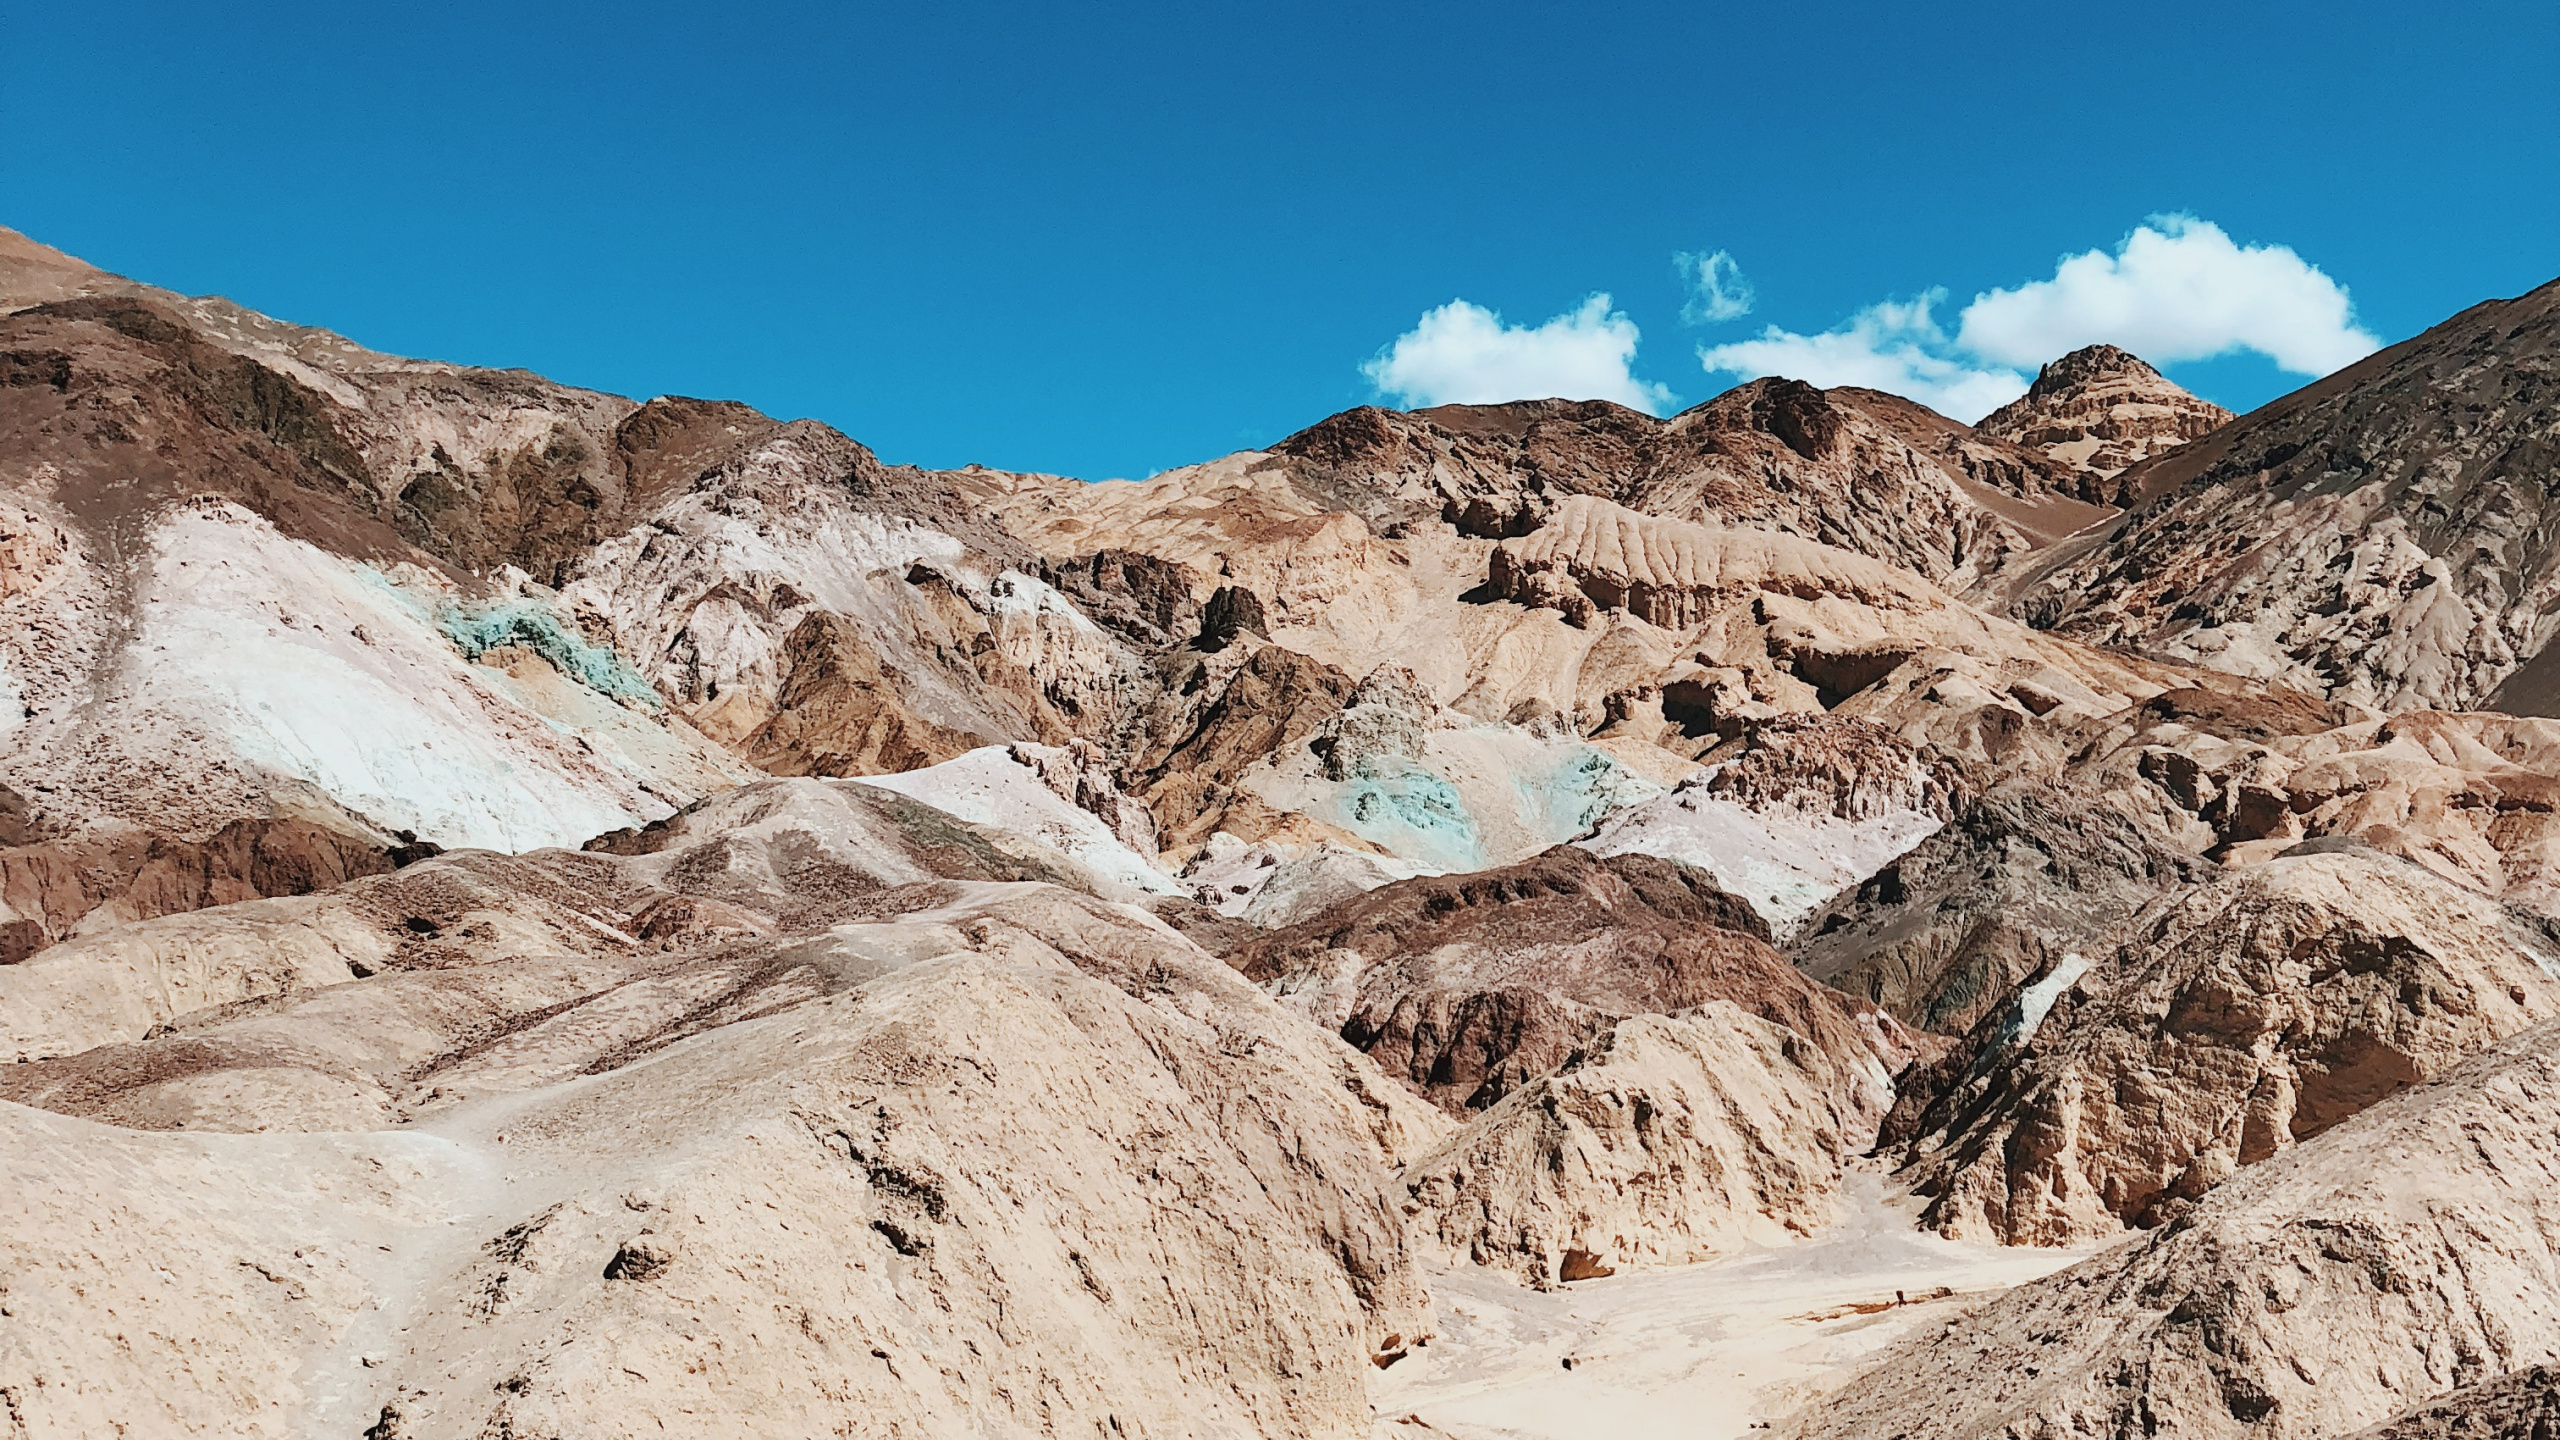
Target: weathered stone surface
x=2405 y=1253
x=2376 y=536
x=2523 y=1405
x=1468 y=987
x=1668 y=1139
x=1003 y=1180
x=2231 y=1024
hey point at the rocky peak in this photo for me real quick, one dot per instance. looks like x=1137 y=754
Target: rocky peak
x=2088 y=364
x=2102 y=410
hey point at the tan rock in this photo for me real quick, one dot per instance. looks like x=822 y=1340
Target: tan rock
x=2403 y=1254
x=1667 y=1140
x=2234 y=1023
x=2100 y=411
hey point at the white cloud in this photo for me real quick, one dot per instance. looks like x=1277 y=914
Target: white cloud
x=2176 y=289
x=1462 y=354
x=1894 y=346
x=1718 y=290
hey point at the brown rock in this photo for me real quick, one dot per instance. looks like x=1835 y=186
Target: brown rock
x=2401 y=1255
x=1468 y=987
x=2100 y=410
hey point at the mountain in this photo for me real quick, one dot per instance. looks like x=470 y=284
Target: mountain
x=2380 y=536
x=530 y=911
x=2101 y=411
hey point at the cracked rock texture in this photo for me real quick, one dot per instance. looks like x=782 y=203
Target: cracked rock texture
x=2378 y=536
x=2313 y=1295
x=1666 y=1140
x=2233 y=1023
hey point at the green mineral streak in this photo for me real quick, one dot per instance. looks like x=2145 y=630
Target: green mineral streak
x=476 y=630
x=1565 y=802
x=1413 y=813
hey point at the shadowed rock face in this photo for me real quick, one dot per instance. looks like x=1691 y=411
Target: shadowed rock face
x=1150 y=602
x=2017 y=880
x=1467 y=986
x=48 y=890
x=2382 y=536
x=1214 y=719
x=2100 y=411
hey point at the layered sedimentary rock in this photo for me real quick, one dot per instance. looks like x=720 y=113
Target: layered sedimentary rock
x=873 y=1200
x=1846 y=467
x=1467 y=987
x=2100 y=411
x=826 y=1013
x=855 y=1061
x=1595 y=555
x=49 y=891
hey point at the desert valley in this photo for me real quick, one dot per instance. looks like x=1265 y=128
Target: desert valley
x=531 y=913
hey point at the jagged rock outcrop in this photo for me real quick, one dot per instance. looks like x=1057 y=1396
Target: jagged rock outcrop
x=2405 y=1253
x=1848 y=468
x=1153 y=604
x=1214 y=719
x=1595 y=555
x=2232 y=1024
x=2376 y=537
x=2100 y=411
x=51 y=890
x=2020 y=877
x=1667 y=1140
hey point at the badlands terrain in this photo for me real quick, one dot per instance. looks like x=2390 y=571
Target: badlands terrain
x=526 y=913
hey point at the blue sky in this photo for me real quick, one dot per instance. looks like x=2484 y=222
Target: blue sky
x=1108 y=241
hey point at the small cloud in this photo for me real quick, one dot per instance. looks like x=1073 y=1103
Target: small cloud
x=2176 y=289
x=1718 y=290
x=1462 y=354
x=1894 y=346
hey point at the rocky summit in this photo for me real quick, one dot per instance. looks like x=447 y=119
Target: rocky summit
x=532 y=912
x=2100 y=411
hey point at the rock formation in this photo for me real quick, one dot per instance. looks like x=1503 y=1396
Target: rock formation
x=1667 y=1140
x=2101 y=411
x=2523 y=1405
x=2245 y=1018
x=524 y=910
x=2324 y=1291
